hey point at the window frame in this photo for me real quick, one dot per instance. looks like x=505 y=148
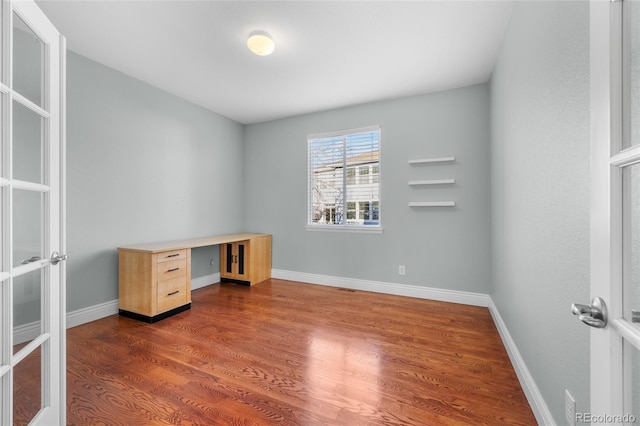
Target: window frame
x=346 y=227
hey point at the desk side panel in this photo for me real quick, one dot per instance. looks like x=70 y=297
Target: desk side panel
x=136 y=282
x=188 y=275
x=260 y=255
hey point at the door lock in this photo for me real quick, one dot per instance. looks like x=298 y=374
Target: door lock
x=594 y=315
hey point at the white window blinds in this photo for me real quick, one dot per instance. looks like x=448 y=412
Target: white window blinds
x=344 y=178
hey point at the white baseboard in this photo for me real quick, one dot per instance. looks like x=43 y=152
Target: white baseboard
x=92 y=313
x=200 y=282
x=26 y=332
x=536 y=401
x=453 y=296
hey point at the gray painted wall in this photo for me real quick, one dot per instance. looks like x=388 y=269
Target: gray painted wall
x=440 y=247
x=540 y=193
x=143 y=166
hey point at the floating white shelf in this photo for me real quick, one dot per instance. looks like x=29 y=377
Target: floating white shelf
x=432 y=182
x=432 y=204
x=432 y=160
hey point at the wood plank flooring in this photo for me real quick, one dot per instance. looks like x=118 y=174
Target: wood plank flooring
x=288 y=353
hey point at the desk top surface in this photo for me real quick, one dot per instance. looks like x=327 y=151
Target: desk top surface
x=191 y=243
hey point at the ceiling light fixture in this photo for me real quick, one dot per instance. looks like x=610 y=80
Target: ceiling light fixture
x=261 y=43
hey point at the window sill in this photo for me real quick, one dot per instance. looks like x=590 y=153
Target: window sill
x=345 y=228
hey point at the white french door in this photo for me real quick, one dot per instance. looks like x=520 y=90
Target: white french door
x=615 y=209
x=32 y=297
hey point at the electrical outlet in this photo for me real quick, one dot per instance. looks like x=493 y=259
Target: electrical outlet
x=212 y=262
x=401 y=270
x=569 y=408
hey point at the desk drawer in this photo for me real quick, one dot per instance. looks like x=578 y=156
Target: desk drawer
x=172 y=293
x=172 y=269
x=167 y=256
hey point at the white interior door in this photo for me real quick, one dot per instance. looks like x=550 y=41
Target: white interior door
x=32 y=300
x=615 y=210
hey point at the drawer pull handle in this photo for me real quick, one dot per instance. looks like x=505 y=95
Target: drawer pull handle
x=173 y=270
x=173 y=292
x=174 y=255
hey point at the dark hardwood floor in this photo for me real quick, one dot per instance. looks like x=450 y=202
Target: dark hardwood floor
x=287 y=353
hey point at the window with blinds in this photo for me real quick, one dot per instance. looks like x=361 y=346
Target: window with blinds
x=344 y=179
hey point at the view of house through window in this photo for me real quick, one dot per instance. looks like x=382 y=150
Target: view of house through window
x=344 y=178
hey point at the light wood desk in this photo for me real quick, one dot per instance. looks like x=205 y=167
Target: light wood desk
x=155 y=279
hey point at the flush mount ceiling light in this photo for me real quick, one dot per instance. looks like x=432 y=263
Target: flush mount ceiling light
x=261 y=43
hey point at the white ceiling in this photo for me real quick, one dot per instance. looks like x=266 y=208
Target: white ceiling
x=328 y=54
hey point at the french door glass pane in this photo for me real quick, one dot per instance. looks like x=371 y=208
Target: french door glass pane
x=27 y=308
x=28 y=149
x=27 y=226
x=3 y=170
x=28 y=62
x=2 y=76
x=633 y=78
x=27 y=383
x=632 y=233
x=632 y=387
